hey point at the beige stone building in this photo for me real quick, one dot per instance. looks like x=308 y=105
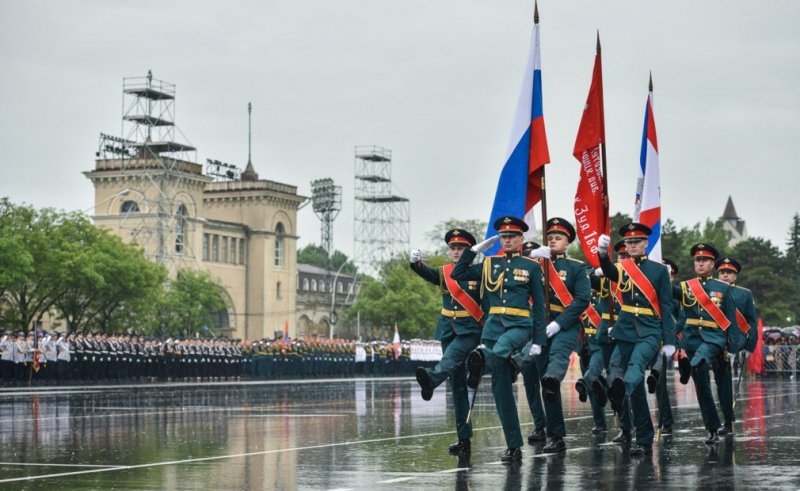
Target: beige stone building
x=242 y=231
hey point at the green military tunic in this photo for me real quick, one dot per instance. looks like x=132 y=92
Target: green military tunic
x=513 y=298
x=704 y=341
x=459 y=334
x=639 y=332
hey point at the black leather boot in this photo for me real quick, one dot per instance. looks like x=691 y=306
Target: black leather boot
x=652 y=381
x=641 y=449
x=600 y=393
x=537 y=436
x=460 y=447
x=511 y=456
x=623 y=437
x=583 y=390
x=425 y=383
x=556 y=445
x=712 y=438
x=550 y=387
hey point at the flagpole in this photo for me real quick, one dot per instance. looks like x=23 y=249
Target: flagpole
x=611 y=313
x=545 y=262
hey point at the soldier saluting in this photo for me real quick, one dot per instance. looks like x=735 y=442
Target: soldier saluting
x=513 y=296
x=644 y=321
x=458 y=329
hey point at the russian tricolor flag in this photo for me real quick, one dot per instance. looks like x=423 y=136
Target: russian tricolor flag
x=648 y=189
x=520 y=184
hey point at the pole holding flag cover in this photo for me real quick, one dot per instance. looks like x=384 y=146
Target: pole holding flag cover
x=591 y=197
x=648 y=187
x=396 y=342
x=521 y=183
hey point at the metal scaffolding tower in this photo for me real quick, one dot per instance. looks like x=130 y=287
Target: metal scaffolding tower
x=382 y=219
x=326 y=201
x=159 y=169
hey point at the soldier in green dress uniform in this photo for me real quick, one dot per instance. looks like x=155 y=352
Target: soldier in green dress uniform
x=513 y=298
x=742 y=337
x=570 y=294
x=458 y=330
x=644 y=321
x=709 y=309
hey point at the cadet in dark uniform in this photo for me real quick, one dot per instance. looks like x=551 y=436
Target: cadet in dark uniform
x=570 y=294
x=508 y=283
x=644 y=321
x=654 y=383
x=741 y=337
x=458 y=329
x=709 y=311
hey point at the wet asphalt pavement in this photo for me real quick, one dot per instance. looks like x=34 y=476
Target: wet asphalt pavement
x=365 y=434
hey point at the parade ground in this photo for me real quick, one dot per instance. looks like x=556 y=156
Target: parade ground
x=366 y=434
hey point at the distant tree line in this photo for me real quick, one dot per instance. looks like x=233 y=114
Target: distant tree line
x=60 y=263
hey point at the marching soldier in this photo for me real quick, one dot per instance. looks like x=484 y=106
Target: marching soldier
x=570 y=296
x=458 y=329
x=655 y=385
x=644 y=321
x=743 y=337
x=709 y=311
x=508 y=283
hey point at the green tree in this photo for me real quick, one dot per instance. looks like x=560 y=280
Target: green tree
x=315 y=255
x=435 y=237
x=16 y=263
x=763 y=272
x=189 y=304
x=398 y=295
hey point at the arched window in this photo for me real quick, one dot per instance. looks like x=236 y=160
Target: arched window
x=129 y=207
x=279 y=232
x=180 y=230
x=313 y=285
x=305 y=284
x=339 y=287
x=278 y=290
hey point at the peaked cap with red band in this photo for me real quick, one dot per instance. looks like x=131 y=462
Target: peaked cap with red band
x=635 y=230
x=560 y=226
x=728 y=263
x=704 y=250
x=510 y=225
x=459 y=236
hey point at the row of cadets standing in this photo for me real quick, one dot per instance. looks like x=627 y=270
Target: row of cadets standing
x=513 y=297
x=458 y=329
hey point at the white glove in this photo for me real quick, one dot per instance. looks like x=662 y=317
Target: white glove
x=747 y=354
x=598 y=272
x=535 y=350
x=668 y=350
x=416 y=256
x=482 y=246
x=540 y=252
x=552 y=329
x=602 y=244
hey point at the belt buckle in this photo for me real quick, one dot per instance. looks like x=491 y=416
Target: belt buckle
x=636 y=311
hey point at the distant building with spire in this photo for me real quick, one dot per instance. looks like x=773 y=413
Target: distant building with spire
x=733 y=224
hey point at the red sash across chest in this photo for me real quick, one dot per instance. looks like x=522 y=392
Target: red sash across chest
x=463 y=298
x=565 y=297
x=708 y=305
x=642 y=283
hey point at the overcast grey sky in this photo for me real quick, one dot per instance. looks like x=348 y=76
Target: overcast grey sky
x=434 y=81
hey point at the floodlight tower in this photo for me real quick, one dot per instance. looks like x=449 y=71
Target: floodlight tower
x=326 y=201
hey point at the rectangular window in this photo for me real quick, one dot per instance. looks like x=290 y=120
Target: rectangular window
x=242 y=253
x=205 y=247
x=233 y=251
x=215 y=248
x=224 y=257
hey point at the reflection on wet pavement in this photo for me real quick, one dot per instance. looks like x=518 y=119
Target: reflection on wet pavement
x=363 y=434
